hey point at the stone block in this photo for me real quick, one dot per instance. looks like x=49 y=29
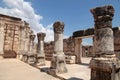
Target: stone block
x=105 y=68
x=58 y=63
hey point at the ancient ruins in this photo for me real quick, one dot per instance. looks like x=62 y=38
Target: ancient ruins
x=17 y=41
x=58 y=63
x=40 y=49
x=105 y=63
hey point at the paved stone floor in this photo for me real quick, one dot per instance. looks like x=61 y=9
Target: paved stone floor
x=77 y=71
x=13 y=69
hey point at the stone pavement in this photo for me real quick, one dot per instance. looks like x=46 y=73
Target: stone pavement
x=78 y=71
x=13 y=69
x=75 y=71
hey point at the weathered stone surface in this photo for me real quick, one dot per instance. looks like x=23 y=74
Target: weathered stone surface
x=117 y=40
x=40 y=50
x=78 y=49
x=58 y=27
x=87 y=51
x=58 y=62
x=104 y=40
x=1 y=38
x=104 y=66
x=31 y=57
x=16 y=35
x=103 y=16
x=83 y=33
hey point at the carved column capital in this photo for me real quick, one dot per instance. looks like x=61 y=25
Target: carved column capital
x=58 y=27
x=32 y=37
x=103 y=16
x=41 y=36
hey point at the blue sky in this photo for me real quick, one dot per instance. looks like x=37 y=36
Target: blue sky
x=74 y=13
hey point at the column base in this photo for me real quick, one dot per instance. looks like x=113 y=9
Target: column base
x=105 y=68
x=31 y=59
x=24 y=58
x=1 y=56
x=19 y=56
x=58 y=64
x=40 y=60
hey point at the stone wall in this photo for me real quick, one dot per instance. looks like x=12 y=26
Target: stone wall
x=68 y=48
x=1 y=38
x=14 y=34
x=87 y=51
x=117 y=40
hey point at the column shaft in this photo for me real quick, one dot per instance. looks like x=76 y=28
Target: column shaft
x=40 y=51
x=58 y=64
x=102 y=65
x=58 y=43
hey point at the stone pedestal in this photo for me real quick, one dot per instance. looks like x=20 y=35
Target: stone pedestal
x=58 y=64
x=31 y=55
x=105 y=65
x=40 y=51
x=24 y=57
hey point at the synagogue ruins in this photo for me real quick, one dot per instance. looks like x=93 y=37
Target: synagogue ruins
x=17 y=40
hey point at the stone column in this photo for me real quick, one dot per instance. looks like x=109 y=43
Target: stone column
x=21 y=52
x=1 y=39
x=31 y=57
x=104 y=63
x=78 y=49
x=25 y=31
x=40 y=51
x=58 y=63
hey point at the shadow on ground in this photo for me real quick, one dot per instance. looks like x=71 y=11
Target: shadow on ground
x=74 y=78
x=85 y=64
x=45 y=69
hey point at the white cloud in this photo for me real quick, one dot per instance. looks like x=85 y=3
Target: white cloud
x=24 y=10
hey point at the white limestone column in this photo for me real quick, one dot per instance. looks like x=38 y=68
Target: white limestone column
x=58 y=62
x=31 y=54
x=40 y=51
x=58 y=43
x=32 y=37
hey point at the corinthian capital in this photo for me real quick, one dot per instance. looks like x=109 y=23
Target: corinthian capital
x=32 y=37
x=103 y=16
x=41 y=36
x=58 y=27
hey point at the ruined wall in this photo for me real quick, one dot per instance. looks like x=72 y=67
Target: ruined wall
x=49 y=49
x=24 y=38
x=87 y=51
x=14 y=35
x=117 y=39
x=1 y=38
x=68 y=48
